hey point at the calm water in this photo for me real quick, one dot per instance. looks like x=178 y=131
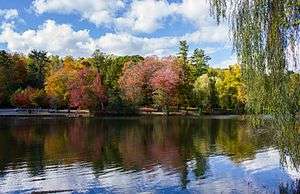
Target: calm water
x=134 y=155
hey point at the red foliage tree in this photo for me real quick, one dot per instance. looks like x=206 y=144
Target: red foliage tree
x=29 y=97
x=135 y=81
x=165 y=82
x=167 y=78
x=87 y=90
x=23 y=98
x=139 y=81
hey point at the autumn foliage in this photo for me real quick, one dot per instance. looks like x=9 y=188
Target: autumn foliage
x=150 y=80
x=29 y=97
x=121 y=84
x=87 y=90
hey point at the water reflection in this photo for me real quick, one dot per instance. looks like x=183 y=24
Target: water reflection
x=140 y=154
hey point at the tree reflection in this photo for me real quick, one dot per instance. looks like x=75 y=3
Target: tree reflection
x=289 y=145
x=132 y=144
x=293 y=188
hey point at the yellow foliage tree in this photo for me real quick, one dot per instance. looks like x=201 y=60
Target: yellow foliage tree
x=56 y=85
x=230 y=88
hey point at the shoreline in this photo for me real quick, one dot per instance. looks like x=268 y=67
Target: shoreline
x=44 y=113
x=88 y=114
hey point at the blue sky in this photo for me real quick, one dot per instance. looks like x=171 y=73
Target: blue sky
x=145 y=27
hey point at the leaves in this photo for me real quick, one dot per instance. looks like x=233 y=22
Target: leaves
x=230 y=89
x=29 y=97
x=87 y=90
x=152 y=76
x=265 y=36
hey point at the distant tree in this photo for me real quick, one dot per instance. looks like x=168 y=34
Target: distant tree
x=87 y=90
x=22 y=98
x=205 y=92
x=19 y=72
x=230 y=88
x=56 y=84
x=2 y=86
x=183 y=52
x=185 y=88
x=55 y=63
x=39 y=98
x=99 y=61
x=113 y=72
x=165 y=82
x=135 y=80
x=29 y=97
x=12 y=74
x=98 y=92
x=38 y=62
x=202 y=91
x=200 y=61
x=5 y=71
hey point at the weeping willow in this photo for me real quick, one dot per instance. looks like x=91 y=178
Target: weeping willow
x=265 y=36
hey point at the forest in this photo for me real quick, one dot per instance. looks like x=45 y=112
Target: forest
x=106 y=82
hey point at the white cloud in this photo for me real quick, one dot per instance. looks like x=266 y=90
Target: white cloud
x=196 y=11
x=62 y=39
x=137 y=16
x=52 y=37
x=96 y=11
x=210 y=34
x=146 y=15
x=9 y=14
x=123 y=44
x=231 y=61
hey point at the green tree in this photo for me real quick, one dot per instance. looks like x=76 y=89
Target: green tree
x=202 y=91
x=111 y=78
x=5 y=72
x=265 y=34
x=99 y=61
x=12 y=74
x=38 y=62
x=55 y=63
x=185 y=88
x=200 y=60
x=294 y=91
x=183 y=52
x=205 y=92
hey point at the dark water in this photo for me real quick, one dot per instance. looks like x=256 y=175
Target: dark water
x=135 y=155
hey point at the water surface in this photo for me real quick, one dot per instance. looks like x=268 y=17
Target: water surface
x=145 y=154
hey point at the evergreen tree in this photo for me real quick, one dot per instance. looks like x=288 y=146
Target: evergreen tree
x=200 y=61
x=37 y=66
x=183 y=52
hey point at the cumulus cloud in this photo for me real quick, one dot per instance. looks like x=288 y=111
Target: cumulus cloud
x=196 y=11
x=141 y=16
x=52 y=37
x=96 y=11
x=130 y=16
x=9 y=14
x=146 y=15
x=62 y=39
x=209 y=34
x=125 y=19
x=123 y=44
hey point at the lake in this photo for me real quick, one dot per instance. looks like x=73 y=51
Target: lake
x=141 y=154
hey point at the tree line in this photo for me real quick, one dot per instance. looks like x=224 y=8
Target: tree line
x=105 y=82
